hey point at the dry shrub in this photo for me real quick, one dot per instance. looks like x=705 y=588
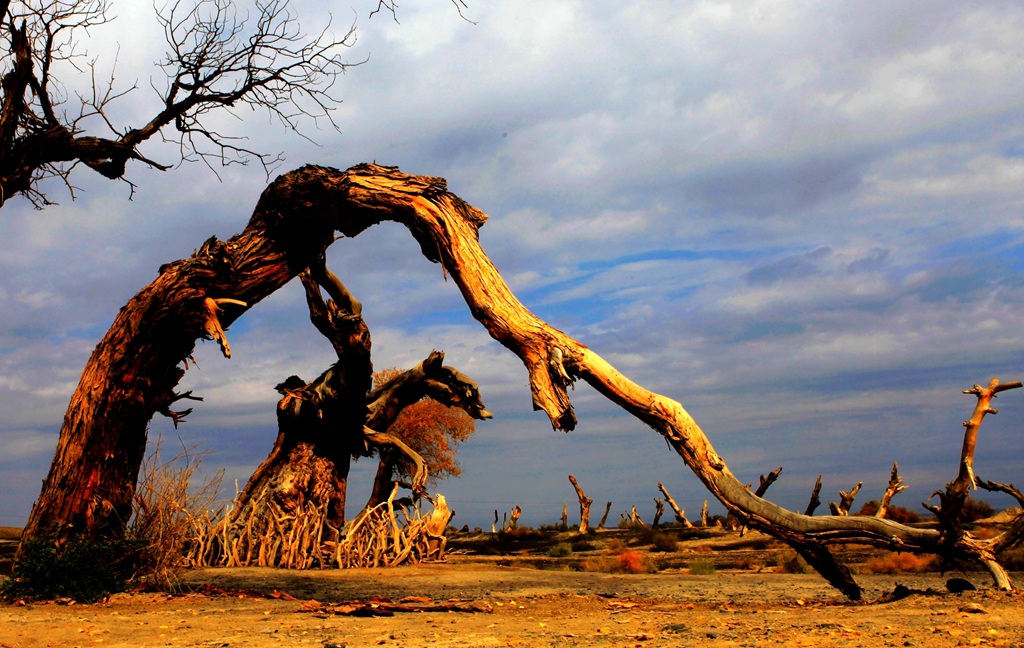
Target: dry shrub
x=166 y=509
x=605 y=564
x=623 y=561
x=750 y=564
x=985 y=533
x=900 y=563
x=632 y=562
x=667 y=542
x=702 y=567
x=1012 y=559
x=703 y=549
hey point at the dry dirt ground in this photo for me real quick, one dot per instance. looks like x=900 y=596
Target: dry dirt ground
x=527 y=599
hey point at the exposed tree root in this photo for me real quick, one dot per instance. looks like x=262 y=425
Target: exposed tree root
x=301 y=537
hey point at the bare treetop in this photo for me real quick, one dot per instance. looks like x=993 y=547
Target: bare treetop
x=218 y=58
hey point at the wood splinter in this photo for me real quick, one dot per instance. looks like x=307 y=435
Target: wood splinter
x=212 y=328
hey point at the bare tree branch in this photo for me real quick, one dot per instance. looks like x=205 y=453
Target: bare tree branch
x=218 y=60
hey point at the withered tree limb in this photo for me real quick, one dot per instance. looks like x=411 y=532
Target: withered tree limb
x=137 y=363
x=679 y=512
x=218 y=59
x=894 y=486
x=815 y=501
x=585 y=504
x=953 y=537
x=845 y=501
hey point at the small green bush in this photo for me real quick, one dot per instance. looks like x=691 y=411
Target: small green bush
x=702 y=567
x=560 y=550
x=83 y=570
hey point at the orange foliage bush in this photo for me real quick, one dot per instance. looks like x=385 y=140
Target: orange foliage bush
x=899 y=563
x=632 y=562
x=433 y=430
x=624 y=561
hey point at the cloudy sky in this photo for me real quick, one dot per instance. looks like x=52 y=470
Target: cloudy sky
x=802 y=220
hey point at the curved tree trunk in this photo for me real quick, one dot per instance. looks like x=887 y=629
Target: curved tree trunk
x=135 y=368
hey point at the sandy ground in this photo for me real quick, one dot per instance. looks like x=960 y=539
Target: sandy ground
x=524 y=606
x=529 y=607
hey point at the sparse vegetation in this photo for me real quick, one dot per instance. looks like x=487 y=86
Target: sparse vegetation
x=702 y=567
x=901 y=563
x=82 y=569
x=167 y=508
x=560 y=550
x=666 y=542
x=790 y=562
x=618 y=561
x=899 y=514
x=1013 y=559
x=520 y=534
x=632 y=562
x=583 y=545
x=977 y=510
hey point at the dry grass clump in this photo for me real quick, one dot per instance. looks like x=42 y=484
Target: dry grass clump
x=166 y=508
x=560 y=550
x=702 y=567
x=901 y=563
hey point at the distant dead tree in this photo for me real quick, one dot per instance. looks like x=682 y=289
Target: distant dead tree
x=133 y=371
x=679 y=512
x=220 y=59
x=585 y=503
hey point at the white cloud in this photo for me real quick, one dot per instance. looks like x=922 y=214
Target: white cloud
x=802 y=219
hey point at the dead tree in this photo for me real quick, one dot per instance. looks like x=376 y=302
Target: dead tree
x=513 y=517
x=135 y=368
x=894 y=486
x=659 y=510
x=429 y=379
x=679 y=513
x=217 y=59
x=704 y=514
x=845 y=501
x=585 y=503
x=604 y=518
x=565 y=517
x=634 y=520
x=762 y=487
x=815 y=500
x=294 y=502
